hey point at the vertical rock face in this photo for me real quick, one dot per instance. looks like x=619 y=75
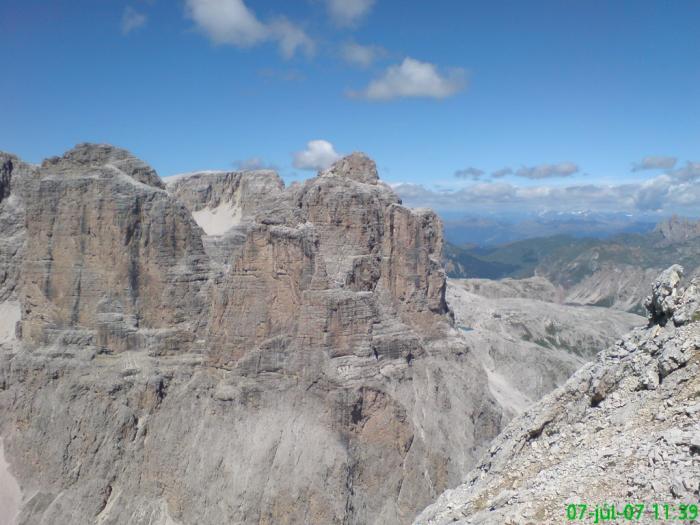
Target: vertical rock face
x=316 y=371
x=110 y=255
x=14 y=176
x=332 y=264
x=13 y=181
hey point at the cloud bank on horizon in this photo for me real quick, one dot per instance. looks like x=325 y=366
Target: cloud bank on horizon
x=675 y=191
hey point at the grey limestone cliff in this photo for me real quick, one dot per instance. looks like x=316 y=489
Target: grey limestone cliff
x=111 y=258
x=298 y=365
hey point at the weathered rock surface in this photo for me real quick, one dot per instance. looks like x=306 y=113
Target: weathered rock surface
x=618 y=286
x=224 y=204
x=357 y=167
x=677 y=229
x=221 y=200
x=301 y=367
x=111 y=258
x=666 y=303
x=87 y=157
x=14 y=175
x=527 y=342
x=531 y=288
x=622 y=430
x=337 y=265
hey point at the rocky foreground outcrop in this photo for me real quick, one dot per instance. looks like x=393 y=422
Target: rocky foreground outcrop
x=295 y=364
x=623 y=430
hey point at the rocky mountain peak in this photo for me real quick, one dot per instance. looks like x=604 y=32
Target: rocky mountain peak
x=357 y=166
x=89 y=158
x=677 y=229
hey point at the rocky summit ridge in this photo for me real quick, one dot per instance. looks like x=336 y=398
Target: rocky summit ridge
x=225 y=349
x=623 y=430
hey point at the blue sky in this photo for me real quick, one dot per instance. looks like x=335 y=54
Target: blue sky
x=568 y=94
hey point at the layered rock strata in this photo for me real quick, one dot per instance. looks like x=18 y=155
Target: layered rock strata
x=335 y=264
x=111 y=258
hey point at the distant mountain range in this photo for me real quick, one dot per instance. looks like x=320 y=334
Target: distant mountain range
x=612 y=271
x=494 y=231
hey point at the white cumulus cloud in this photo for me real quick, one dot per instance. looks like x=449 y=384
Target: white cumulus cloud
x=132 y=19
x=232 y=22
x=348 y=12
x=663 y=194
x=318 y=155
x=413 y=78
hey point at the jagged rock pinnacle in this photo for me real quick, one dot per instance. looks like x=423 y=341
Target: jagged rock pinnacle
x=357 y=166
x=86 y=156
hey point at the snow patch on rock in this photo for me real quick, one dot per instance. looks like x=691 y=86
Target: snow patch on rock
x=219 y=220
